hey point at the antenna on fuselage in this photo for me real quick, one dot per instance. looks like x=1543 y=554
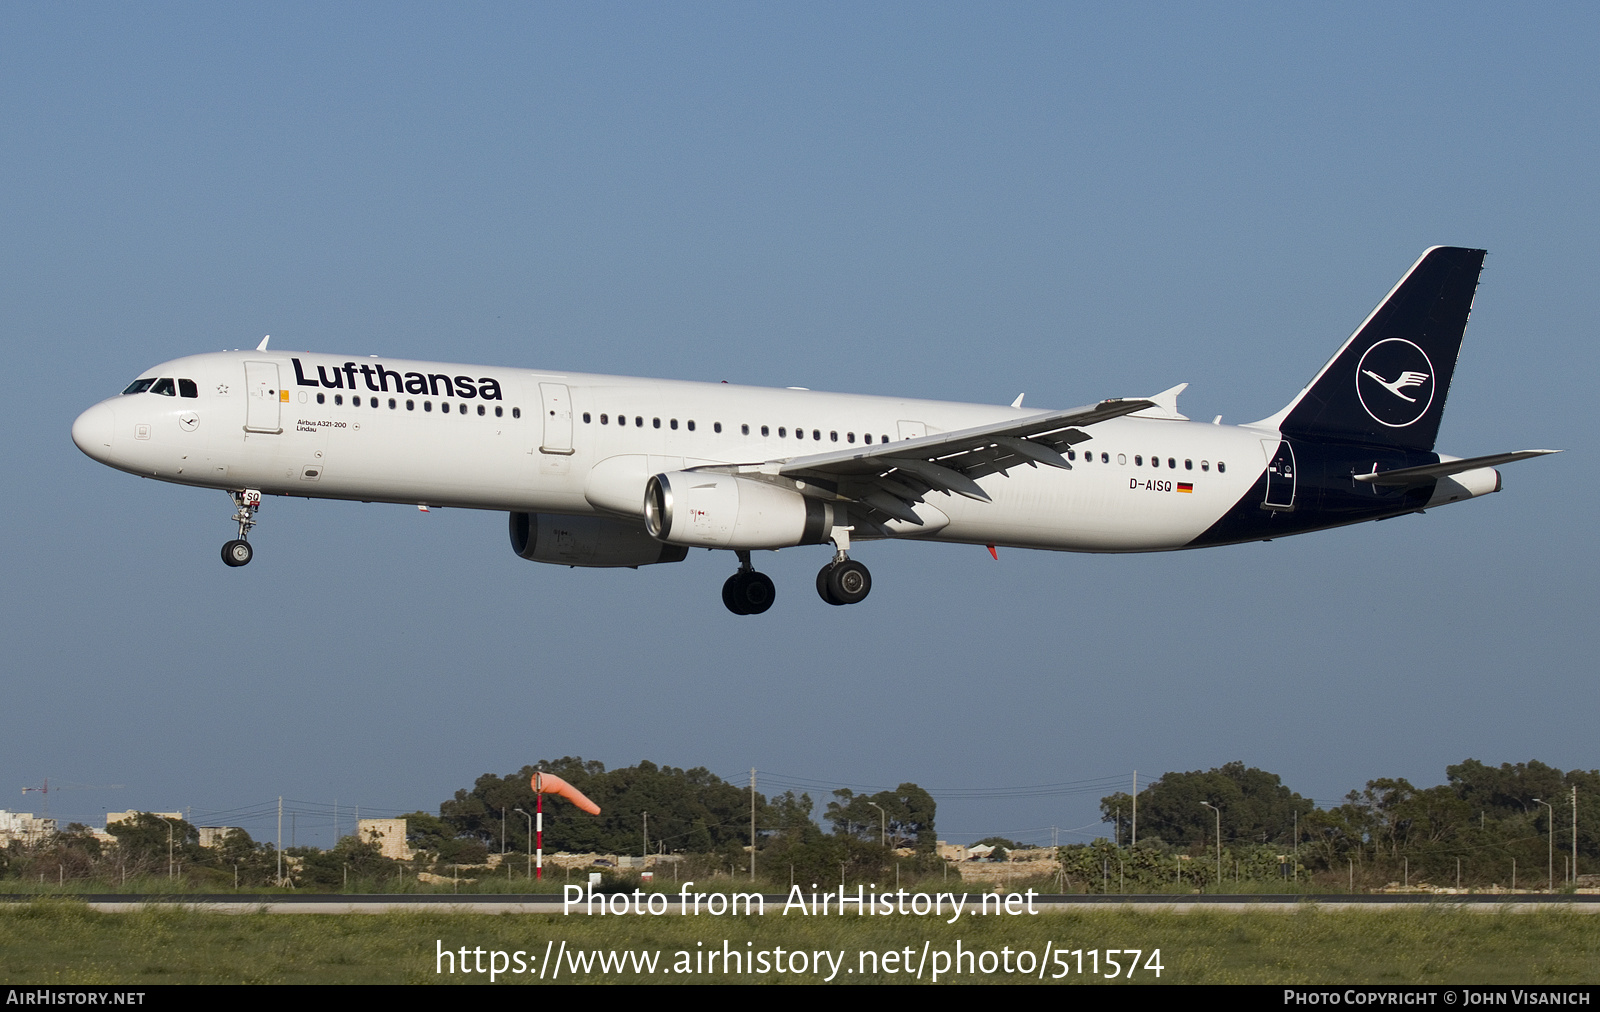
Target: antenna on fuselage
x=263 y=345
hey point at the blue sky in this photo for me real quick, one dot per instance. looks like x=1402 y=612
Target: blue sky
x=960 y=202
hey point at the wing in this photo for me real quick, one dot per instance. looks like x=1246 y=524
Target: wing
x=883 y=482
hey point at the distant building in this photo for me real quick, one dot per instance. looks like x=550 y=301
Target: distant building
x=112 y=818
x=215 y=836
x=388 y=834
x=22 y=827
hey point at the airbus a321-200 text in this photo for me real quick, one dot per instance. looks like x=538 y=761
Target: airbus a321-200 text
x=613 y=471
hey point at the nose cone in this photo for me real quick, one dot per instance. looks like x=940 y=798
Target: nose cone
x=93 y=431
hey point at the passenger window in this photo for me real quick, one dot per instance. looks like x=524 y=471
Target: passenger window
x=638 y=421
x=1172 y=463
x=763 y=430
x=139 y=386
x=849 y=437
x=867 y=437
x=461 y=409
x=1105 y=458
x=691 y=425
x=833 y=437
x=1221 y=467
x=338 y=399
x=1188 y=465
x=1138 y=461
x=322 y=398
x=1122 y=458
x=1205 y=465
x=744 y=430
x=1072 y=454
x=782 y=432
x=164 y=387
x=515 y=412
x=498 y=411
x=605 y=419
x=673 y=424
x=391 y=404
x=585 y=414
x=482 y=412
x=187 y=388
x=816 y=434
x=355 y=402
x=410 y=405
x=655 y=422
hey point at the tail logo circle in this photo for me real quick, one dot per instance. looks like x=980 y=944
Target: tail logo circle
x=1394 y=381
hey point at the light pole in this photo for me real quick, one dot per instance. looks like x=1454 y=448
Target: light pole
x=1214 y=808
x=883 y=826
x=1551 y=872
x=530 y=839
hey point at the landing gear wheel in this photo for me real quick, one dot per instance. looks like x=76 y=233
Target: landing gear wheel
x=237 y=553
x=748 y=592
x=822 y=584
x=848 y=582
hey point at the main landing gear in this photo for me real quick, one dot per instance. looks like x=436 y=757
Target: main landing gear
x=844 y=580
x=238 y=552
x=748 y=592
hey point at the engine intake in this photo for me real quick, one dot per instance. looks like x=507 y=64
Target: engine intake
x=709 y=510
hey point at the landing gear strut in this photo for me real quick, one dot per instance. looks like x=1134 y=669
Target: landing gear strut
x=844 y=580
x=238 y=552
x=748 y=592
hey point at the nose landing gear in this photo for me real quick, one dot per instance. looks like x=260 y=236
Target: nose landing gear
x=748 y=592
x=844 y=580
x=238 y=551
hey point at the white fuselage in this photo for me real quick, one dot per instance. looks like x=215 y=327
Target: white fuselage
x=537 y=453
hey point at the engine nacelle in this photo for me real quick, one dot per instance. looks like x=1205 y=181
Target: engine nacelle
x=596 y=542
x=710 y=510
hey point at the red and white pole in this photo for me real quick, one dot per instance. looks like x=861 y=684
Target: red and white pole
x=538 y=797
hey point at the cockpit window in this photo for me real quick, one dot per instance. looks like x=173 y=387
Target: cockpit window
x=139 y=386
x=187 y=388
x=164 y=387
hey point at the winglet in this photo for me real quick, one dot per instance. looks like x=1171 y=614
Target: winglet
x=1166 y=404
x=263 y=345
x=1018 y=402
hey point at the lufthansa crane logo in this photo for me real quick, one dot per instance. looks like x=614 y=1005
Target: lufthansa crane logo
x=1394 y=382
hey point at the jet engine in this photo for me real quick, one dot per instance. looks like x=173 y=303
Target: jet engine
x=709 y=510
x=587 y=541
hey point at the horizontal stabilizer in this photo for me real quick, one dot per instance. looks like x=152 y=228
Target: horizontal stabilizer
x=1421 y=475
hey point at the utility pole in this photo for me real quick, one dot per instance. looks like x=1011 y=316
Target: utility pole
x=1550 y=873
x=752 y=823
x=1214 y=808
x=1574 y=834
x=280 y=839
x=1134 y=842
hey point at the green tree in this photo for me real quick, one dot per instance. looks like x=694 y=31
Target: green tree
x=1256 y=807
x=902 y=817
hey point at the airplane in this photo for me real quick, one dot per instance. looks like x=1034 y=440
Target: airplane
x=611 y=471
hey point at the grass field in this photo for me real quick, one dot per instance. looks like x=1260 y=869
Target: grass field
x=63 y=942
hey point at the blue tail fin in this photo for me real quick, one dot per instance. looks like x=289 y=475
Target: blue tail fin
x=1387 y=385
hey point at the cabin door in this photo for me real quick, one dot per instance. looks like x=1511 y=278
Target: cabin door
x=557 y=419
x=263 y=395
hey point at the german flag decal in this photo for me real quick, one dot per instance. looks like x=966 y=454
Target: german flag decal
x=1184 y=486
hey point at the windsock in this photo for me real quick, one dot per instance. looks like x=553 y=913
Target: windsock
x=549 y=783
